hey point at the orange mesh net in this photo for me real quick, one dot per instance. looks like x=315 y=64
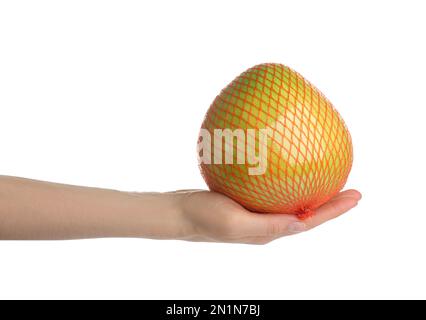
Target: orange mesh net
x=308 y=151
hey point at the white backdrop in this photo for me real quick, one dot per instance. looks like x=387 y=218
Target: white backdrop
x=83 y=84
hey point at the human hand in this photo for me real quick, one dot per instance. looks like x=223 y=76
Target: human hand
x=214 y=217
x=35 y=210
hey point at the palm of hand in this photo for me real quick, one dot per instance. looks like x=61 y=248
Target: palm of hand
x=215 y=217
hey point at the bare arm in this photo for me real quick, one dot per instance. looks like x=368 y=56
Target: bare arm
x=32 y=209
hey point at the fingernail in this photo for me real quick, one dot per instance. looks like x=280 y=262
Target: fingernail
x=296 y=227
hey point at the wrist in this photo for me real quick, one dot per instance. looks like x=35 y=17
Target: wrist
x=161 y=216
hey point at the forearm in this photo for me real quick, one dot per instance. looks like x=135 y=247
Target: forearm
x=41 y=210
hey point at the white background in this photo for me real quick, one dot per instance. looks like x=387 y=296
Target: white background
x=112 y=94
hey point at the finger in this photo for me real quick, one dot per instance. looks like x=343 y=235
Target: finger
x=332 y=209
x=277 y=225
x=349 y=193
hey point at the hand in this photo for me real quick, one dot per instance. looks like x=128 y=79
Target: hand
x=215 y=217
x=31 y=209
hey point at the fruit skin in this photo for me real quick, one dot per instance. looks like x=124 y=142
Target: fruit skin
x=309 y=149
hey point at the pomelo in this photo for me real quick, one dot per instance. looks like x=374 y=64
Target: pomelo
x=274 y=143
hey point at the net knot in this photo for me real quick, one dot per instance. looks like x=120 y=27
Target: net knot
x=305 y=213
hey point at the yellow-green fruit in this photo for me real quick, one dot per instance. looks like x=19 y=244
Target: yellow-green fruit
x=305 y=158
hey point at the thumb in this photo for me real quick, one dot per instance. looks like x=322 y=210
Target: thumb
x=271 y=225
